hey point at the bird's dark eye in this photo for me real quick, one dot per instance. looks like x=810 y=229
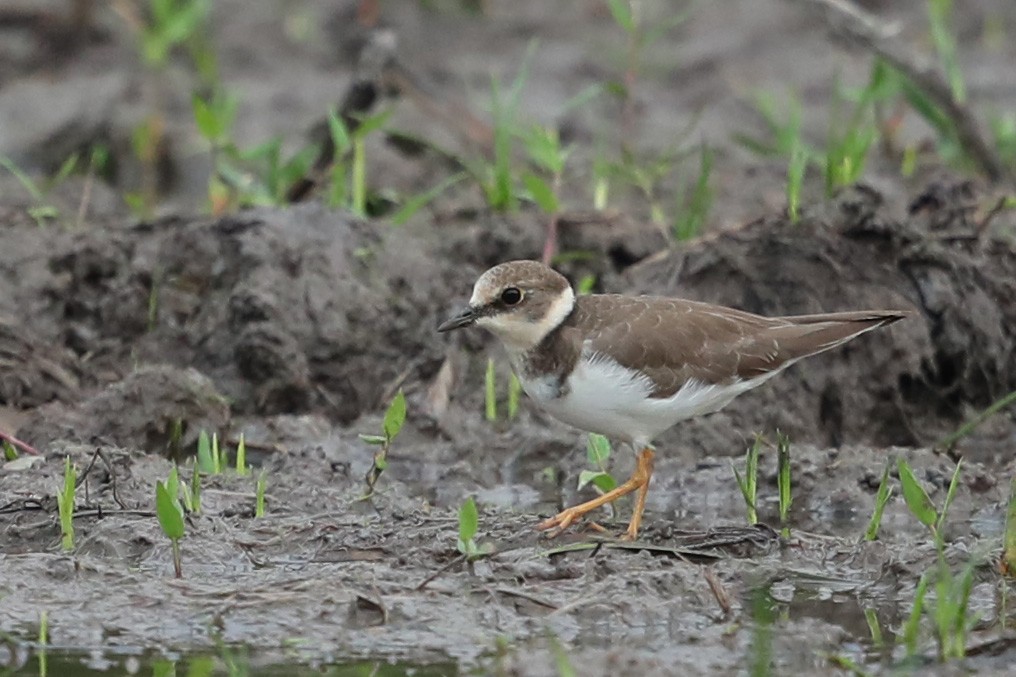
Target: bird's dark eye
x=511 y=296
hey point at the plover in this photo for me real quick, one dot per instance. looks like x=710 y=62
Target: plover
x=631 y=367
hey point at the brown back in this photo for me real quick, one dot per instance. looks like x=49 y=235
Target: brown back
x=673 y=340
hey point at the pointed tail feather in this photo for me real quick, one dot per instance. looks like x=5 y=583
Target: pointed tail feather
x=805 y=335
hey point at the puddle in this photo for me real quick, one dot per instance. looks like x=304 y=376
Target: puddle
x=232 y=661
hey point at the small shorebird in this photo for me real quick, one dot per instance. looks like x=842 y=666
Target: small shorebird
x=631 y=367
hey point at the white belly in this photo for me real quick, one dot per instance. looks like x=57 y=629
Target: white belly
x=604 y=397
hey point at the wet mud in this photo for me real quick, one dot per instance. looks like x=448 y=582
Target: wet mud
x=121 y=340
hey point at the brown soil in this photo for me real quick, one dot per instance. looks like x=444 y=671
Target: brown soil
x=295 y=326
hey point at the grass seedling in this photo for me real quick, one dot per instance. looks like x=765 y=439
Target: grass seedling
x=911 y=629
x=1008 y=561
x=783 y=480
x=182 y=492
x=694 y=210
x=469 y=522
x=761 y=652
x=395 y=417
x=939 y=19
x=749 y=482
x=241 y=457
x=874 y=628
x=948 y=442
x=43 y=642
x=543 y=146
x=795 y=179
x=195 y=490
x=418 y=201
x=210 y=459
x=359 y=170
x=785 y=135
x=490 y=392
x=953 y=621
x=514 y=396
x=41 y=211
x=170 y=514
x=10 y=453
x=885 y=490
x=65 y=505
x=495 y=177
x=259 y=501
x=598 y=456
x=920 y=504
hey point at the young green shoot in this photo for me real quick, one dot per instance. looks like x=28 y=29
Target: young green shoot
x=359 y=170
x=911 y=628
x=10 y=453
x=874 y=628
x=514 y=396
x=170 y=514
x=469 y=521
x=885 y=490
x=949 y=442
x=598 y=455
x=749 y=482
x=693 y=211
x=795 y=179
x=65 y=504
x=395 y=417
x=41 y=211
x=195 y=490
x=783 y=480
x=43 y=642
x=916 y=497
x=951 y=611
x=209 y=460
x=1008 y=562
x=490 y=392
x=761 y=651
x=241 y=457
x=259 y=501
x=940 y=18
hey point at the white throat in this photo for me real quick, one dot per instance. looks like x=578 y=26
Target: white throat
x=519 y=334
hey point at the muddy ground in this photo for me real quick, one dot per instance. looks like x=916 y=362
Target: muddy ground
x=296 y=325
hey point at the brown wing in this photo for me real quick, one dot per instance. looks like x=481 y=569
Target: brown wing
x=673 y=340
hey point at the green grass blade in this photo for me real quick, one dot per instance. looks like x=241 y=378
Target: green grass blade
x=490 y=392
x=949 y=495
x=915 y=496
x=881 y=499
x=168 y=511
x=911 y=629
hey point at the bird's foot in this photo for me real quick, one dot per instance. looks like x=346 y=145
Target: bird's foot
x=561 y=521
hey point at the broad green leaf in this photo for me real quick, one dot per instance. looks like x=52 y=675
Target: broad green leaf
x=622 y=13
x=170 y=517
x=915 y=495
x=597 y=450
x=541 y=192
x=395 y=417
x=600 y=479
x=469 y=520
x=205 y=461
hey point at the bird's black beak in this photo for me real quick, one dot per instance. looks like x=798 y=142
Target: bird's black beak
x=463 y=318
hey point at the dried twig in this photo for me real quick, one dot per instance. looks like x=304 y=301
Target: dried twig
x=853 y=25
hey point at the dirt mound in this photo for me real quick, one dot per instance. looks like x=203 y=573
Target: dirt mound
x=903 y=386
x=156 y=409
x=285 y=311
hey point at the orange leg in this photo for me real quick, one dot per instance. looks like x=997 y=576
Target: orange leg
x=639 y=481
